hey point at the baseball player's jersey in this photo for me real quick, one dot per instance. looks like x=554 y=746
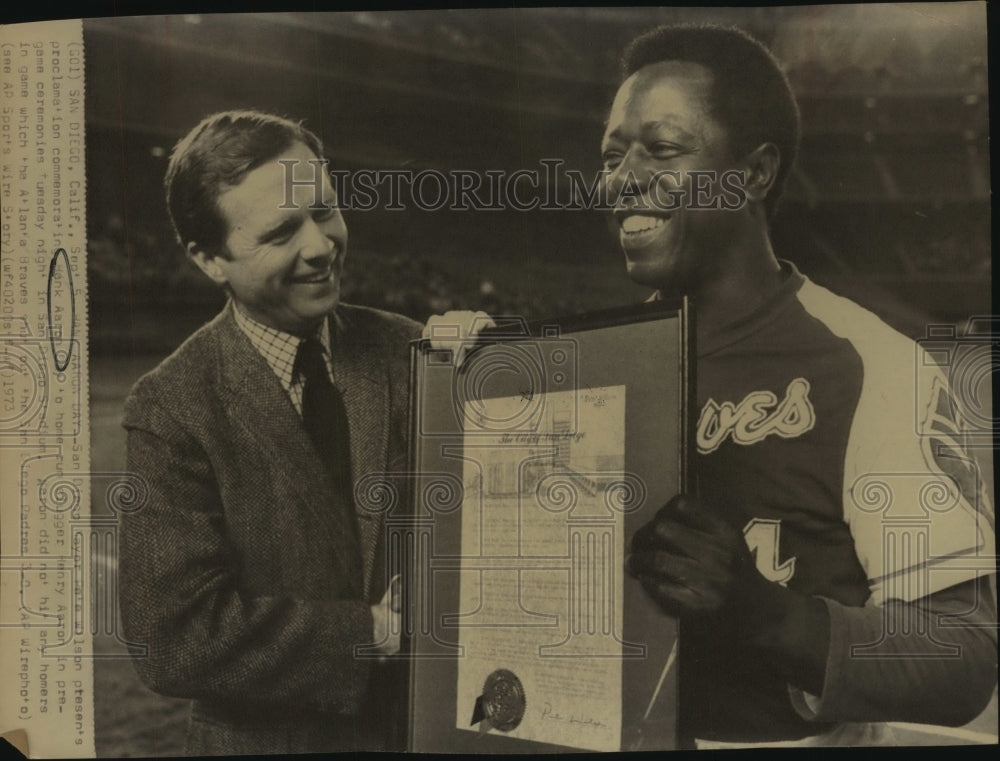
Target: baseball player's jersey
x=833 y=443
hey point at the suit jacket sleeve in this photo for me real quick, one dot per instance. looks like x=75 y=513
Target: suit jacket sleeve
x=181 y=596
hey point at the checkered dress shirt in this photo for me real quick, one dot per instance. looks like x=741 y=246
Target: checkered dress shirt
x=279 y=350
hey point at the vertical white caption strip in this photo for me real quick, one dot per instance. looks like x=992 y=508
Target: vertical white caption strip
x=47 y=601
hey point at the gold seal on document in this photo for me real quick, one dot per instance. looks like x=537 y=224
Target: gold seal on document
x=503 y=700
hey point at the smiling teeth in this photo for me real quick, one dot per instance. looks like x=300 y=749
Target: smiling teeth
x=315 y=278
x=638 y=223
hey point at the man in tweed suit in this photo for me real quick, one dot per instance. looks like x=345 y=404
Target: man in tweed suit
x=248 y=573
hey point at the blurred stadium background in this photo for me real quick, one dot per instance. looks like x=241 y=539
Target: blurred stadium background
x=889 y=204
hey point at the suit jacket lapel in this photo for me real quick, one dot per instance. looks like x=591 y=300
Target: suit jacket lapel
x=255 y=398
x=360 y=375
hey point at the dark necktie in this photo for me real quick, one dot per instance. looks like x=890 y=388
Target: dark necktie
x=325 y=419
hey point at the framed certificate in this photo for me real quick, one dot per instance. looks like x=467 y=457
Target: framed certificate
x=534 y=463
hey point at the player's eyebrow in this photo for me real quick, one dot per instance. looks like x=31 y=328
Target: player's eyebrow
x=651 y=127
x=284 y=227
x=615 y=134
x=646 y=128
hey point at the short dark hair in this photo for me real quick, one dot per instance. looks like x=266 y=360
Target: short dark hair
x=218 y=153
x=751 y=95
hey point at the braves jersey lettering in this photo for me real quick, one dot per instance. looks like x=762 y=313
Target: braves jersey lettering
x=759 y=415
x=763 y=537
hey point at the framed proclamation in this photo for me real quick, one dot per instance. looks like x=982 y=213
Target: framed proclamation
x=534 y=462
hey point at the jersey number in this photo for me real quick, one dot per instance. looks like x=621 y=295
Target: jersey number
x=762 y=536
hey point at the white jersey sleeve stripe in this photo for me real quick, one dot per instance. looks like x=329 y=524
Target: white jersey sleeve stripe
x=914 y=530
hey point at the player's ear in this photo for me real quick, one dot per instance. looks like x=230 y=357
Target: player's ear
x=762 y=169
x=207 y=263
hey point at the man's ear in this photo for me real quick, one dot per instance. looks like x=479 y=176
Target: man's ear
x=207 y=263
x=762 y=169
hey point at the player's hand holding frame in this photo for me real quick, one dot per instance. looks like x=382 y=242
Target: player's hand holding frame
x=695 y=563
x=690 y=560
